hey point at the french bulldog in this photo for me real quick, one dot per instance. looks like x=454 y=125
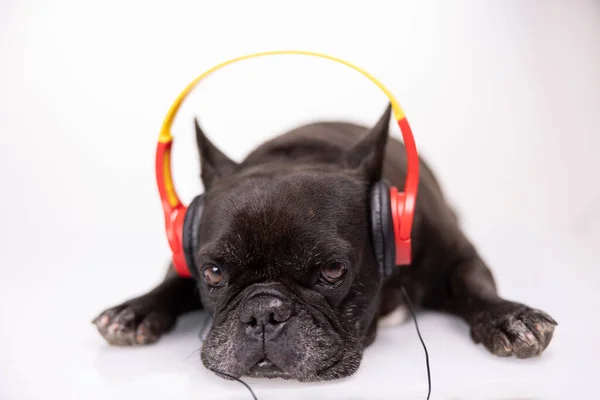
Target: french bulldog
x=288 y=272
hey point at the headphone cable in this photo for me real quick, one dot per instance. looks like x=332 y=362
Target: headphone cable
x=412 y=312
x=239 y=380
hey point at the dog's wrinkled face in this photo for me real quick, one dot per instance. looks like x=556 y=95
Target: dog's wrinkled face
x=287 y=268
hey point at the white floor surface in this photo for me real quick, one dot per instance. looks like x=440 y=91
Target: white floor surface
x=504 y=100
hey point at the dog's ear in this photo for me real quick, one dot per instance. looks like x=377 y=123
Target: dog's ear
x=214 y=165
x=368 y=154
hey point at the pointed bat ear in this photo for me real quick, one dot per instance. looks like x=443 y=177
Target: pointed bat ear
x=368 y=154
x=214 y=165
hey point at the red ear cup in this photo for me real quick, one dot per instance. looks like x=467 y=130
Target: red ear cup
x=174 y=227
x=402 y=222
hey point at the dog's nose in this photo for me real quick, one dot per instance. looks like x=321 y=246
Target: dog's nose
x=265 y=315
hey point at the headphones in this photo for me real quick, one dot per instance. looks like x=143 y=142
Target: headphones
x=392 y=211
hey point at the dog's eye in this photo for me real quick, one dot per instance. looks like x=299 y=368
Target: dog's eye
x=213 y=275
x=333 y=272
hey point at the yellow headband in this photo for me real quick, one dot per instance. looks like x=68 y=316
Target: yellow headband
x=165 y=132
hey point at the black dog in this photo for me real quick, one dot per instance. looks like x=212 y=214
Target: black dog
x=289 y=272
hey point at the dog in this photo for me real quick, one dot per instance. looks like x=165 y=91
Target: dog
x=288 y=270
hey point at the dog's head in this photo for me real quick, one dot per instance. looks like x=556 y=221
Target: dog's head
x=286 y=263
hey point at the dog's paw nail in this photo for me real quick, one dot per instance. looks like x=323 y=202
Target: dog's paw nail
x=527 y=346
x=538 y=327
x=103 y=321
x=529 y=337
x=145 y=336
x=113 y=328
x=547 y=318
x=502 y=347
x=142 y=335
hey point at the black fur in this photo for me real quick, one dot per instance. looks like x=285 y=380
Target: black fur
x=273 y=221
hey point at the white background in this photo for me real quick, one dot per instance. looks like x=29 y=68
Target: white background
x=503 y=98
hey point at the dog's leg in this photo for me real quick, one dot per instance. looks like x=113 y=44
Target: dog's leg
x=504 y=327
x=144 y=319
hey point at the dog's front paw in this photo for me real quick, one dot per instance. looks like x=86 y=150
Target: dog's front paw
x=513 y=329
x=135 y=322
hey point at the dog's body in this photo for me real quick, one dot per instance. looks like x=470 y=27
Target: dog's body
x=285 y=236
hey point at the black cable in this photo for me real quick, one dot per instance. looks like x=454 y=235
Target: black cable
x=412 y=312
x=237 y=379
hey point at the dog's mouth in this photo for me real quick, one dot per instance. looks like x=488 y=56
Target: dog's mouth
x=266 y=365
x=265 y=368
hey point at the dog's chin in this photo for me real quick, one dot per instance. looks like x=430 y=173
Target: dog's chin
x=266 y=369
x=338 y=368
